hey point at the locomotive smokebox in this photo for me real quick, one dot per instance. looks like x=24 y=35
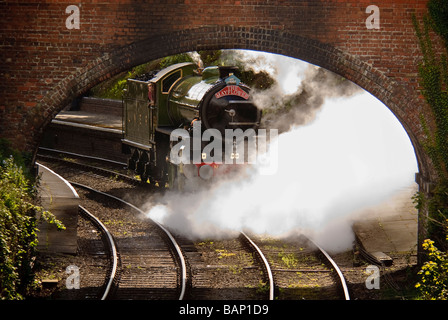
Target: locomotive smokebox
x=217 y=97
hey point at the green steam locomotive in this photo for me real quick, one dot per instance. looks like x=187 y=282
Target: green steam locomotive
x=157 y=104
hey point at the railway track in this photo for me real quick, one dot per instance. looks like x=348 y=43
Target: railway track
x=57 y=153
x=225 y=269
x=340 y=279
x=199 y=272
x=303 y=270
x=105 y=167
x=262 y=275
x=179 y=249
x=263 y=261
x=148 y=270
x=112 y=277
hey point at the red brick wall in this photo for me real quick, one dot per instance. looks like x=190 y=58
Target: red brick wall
x=44 y=64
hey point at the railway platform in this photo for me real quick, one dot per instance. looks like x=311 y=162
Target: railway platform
x=103 y=113
x=390 y=228
x=99 y=120
x=58 y=197
x=93 y=129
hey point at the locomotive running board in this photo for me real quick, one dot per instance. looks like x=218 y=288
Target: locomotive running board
x=165 y=130
x=244 y=124
x=137 y=145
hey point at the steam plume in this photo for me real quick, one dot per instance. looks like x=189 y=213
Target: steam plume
x=284 y=104
x=346 y=159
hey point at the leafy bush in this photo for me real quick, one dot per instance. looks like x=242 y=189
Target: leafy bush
x=17 y=230
x=18 y=238
x=434 y=274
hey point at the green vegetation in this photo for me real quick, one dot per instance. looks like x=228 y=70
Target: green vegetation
x=434 y=82
x=433 y=284
x=256 y=80
x=17 y=223
x=113 y=88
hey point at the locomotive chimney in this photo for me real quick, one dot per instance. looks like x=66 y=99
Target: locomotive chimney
x=224 y=72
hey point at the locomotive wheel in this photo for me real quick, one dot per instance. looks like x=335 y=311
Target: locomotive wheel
x=143 y=166
x=146 y=172
x=132 y=161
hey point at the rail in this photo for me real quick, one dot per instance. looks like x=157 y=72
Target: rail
x=265 y=262
x=78 y=155
x=174 y=244
x=336 y=268
x=84 y=166
x=112 y=247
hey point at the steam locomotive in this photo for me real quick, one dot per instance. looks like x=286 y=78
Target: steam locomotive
x=181 y=97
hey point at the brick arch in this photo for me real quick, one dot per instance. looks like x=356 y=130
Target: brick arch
x=396 y=96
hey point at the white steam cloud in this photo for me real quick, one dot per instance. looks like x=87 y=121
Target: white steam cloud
x=354 y=155
x=299 y=93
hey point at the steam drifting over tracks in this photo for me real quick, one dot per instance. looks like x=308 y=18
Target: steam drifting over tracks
x=232 y=270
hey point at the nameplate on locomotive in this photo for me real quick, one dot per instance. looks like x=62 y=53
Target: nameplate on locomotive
x=232 y=91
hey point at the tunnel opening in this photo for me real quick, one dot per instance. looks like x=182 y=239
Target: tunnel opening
x=349 y=115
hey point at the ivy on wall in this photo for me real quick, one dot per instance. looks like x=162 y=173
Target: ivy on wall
x=434 y=82
x=433 y=70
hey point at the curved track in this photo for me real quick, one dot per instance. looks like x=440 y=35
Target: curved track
x=115 y=168
x=263 y=261
x=341 y=277
x=187 y=277
x=300 y=268
x=113 y=274
x=81 y=156
x=250 y=244
x=174 y=247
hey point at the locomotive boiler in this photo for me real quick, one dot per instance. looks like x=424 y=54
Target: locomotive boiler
x=173 y=98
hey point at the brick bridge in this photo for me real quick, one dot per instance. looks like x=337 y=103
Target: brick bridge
x=55 y=50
